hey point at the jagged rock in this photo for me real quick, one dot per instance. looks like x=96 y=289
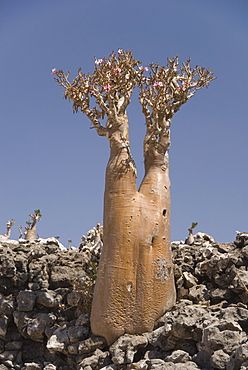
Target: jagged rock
x=3 y=326
x=241 y=239
x=33 y=325
x=96 y=361
x=108 y=367
x=77 y=333
x=3 y=367
x=158 y=364
x=37 y=325
x=33 y=366
x=43 y=319
x=91 y=344
x=14 y=346
x=26 y=300
x=222 y=335
x=7 y=305
x=49 y=367
x=199 y=293
x=124 y=349
x=74 y=298
x=83 y=319
x=189 y=279
x=48 y=298
x=219 y=359
x=239 y=357
x=58 y=341
x=178 y=356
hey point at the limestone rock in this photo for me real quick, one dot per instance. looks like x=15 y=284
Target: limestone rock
x=178 y=356
x=48 y=298
x=124 y=349
x=58 y=341
x=26 y=300
x=91 y=344
x=43 y=322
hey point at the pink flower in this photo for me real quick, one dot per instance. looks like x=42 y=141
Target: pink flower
x=54 y=71
x=98 y=61
x=158 y=84
x=91 y=91
x=141 y=68
x=107 y=87
x=120 y=51
x=116 y=71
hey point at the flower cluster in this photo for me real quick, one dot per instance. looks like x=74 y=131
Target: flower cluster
x=116 y=71
x=158 y=84
x=141 y=68
x=98 y=61
x=54 y=71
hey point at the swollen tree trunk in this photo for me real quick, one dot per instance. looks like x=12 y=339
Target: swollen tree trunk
x=30 y=230
x=135 y=283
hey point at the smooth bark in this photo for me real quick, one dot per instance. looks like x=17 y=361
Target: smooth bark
x=135 y=283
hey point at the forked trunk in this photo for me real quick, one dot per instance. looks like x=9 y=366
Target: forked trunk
x=135 y=282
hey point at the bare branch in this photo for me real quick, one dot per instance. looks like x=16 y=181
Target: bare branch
x=109 y=87
x=165 y=91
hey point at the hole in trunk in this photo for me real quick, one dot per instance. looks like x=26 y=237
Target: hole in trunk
x=164 y=212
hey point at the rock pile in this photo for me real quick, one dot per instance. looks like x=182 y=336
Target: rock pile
x=46 y=292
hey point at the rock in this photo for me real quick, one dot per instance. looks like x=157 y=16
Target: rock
x=223 y=335
x=96 y=361
x=190 y=279
x=157 y=364
x=124 y=349
x=37 y=325
x=49 y=367
x=141 y=365
x=178 y=356
x=219 y=359
x=3 y=326
x=3 y=367
x=33 y=366
x=241 y=239
x=74 y=298
x=44 y=319
x=83 y=319
x=49 y=298
x=14 y=346
x=58 y=341
x=239 y=356
x=26 y=300
x=77 y=333
x=199 y=293
x=91 y=344
x=7 y=305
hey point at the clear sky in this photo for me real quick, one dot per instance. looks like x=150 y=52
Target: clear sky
x=50 y=159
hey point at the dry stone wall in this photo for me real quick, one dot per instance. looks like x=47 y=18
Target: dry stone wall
x=46 y=292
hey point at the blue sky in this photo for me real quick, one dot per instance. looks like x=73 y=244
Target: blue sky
x=50 y=159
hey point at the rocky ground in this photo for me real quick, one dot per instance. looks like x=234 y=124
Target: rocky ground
x=45 y=297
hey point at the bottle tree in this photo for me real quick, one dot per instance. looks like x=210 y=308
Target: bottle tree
x=135 y=282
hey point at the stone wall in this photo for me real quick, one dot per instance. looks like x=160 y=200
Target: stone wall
x=46 y=292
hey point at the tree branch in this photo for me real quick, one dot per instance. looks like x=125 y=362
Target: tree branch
x=164 y=92
x=110 y=87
